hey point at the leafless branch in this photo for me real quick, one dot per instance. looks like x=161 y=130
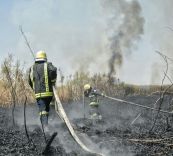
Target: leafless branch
x=13 y=92
x=162 y=94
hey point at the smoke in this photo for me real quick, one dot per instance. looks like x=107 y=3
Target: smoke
x=71 y=35
x=92 y=35
x=125 y=27
x=155 y=73
x=158 y=16
x=162 y=27
x=77 y=37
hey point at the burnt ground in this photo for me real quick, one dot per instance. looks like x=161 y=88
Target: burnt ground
x=112 y=136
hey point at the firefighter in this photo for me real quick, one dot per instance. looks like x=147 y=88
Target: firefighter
x=42 y=77
x=93 y=94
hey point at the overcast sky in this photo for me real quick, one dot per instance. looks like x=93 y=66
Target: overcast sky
x=74 y=35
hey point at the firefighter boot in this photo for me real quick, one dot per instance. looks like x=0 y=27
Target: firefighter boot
x=44 y=122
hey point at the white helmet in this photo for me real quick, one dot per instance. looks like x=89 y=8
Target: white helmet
x=41 y=56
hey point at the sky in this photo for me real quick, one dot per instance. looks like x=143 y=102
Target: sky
x=75 y=35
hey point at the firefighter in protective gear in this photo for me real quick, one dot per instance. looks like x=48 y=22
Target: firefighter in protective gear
x=93 y=94
x=42 y=77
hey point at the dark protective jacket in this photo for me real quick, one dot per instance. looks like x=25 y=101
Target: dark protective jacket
x=42 y=76
x=93 y=96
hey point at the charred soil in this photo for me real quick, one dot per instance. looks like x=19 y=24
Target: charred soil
x=124 y=130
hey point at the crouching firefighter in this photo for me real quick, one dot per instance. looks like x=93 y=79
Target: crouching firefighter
x=42 y=77
x=93 y=94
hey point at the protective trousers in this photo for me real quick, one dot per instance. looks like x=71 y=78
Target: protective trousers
x=43 y=104
x=94 y=112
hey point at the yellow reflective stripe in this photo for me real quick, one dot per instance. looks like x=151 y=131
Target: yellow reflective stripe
x=94 y=104
x=44 y=94
x=46 y=77
x=43 y=113
x=53 y=80
x=93 y=115
x=32 y=77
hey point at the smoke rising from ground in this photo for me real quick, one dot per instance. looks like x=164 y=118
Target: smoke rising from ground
x=125 y=25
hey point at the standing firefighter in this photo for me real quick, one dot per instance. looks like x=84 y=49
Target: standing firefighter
x=42 y=77
x=93 y=94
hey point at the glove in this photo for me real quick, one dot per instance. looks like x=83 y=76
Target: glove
x=102 y=94
x=53 y=82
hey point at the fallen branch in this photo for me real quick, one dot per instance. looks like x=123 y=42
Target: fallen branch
x=158 y=92
x=46 y=149
x=150 y=140
x=154 y=141
x=136 y=118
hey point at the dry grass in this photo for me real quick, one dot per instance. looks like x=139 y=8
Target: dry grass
x=14 y=86
x=73 y=89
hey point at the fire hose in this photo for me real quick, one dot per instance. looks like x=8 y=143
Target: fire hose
x=60 y=111
x=136 y=104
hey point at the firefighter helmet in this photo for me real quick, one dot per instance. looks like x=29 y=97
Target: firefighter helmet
x=41 y=56
x=87 y=87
